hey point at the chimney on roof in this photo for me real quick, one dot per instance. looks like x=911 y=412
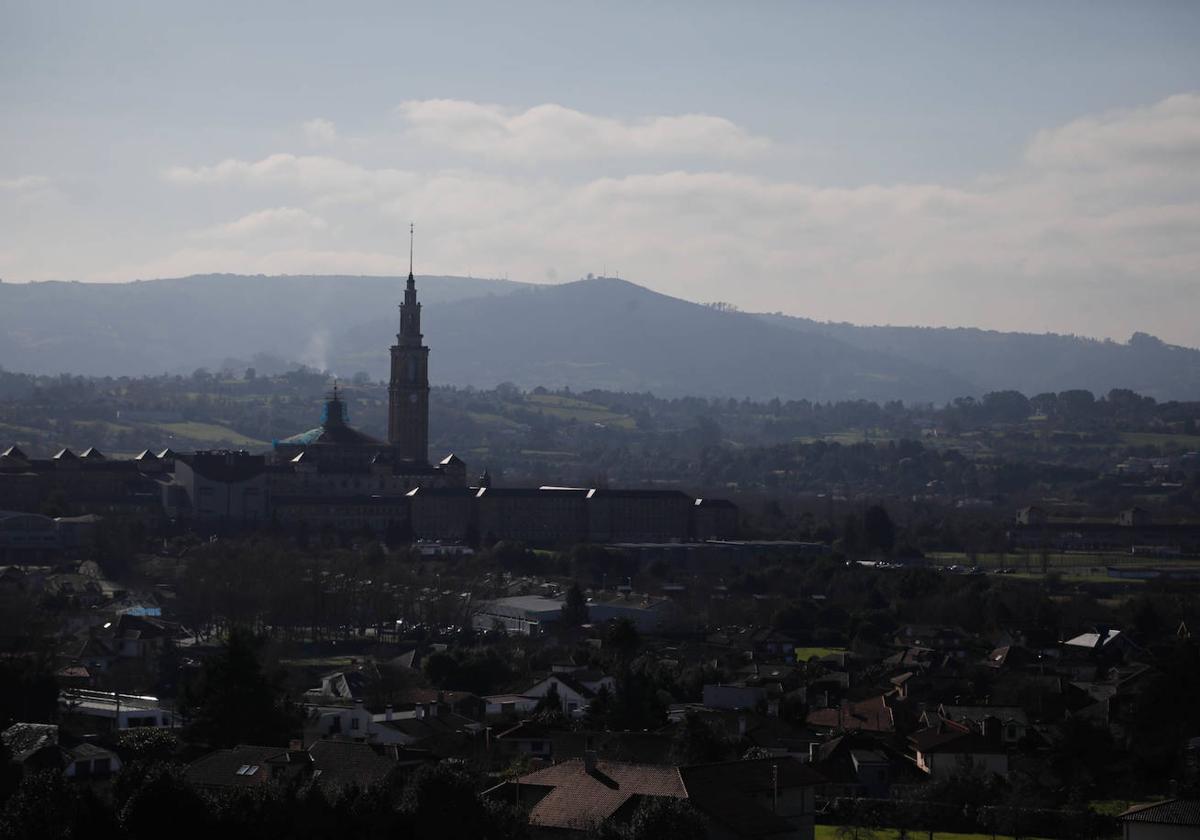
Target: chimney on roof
x=387 y=713
x=420 y=709
x=295 y=745
x=433 y=709
x=741 y=726
x=589 y=761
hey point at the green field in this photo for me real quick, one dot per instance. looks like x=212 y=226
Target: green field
x=1189 y=442
x=849 y=437
x=487 y=419
x=1087 y=564
x=208 y=433
x=830 y=832
x=803 y=654
x=569 y=408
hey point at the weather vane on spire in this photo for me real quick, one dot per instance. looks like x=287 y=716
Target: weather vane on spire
x=410 y=250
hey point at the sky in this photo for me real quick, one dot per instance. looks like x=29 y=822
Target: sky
x=1019 y=166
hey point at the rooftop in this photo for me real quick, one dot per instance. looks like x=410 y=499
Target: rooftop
x=578 y=798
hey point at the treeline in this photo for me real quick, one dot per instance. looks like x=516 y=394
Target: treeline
x=264 y=407
x=1004 y=446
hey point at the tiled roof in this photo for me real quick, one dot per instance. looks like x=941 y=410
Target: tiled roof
x=25 y=739
x=345 y=763
x=1170 y=812
x=243 y=766
x=85 y=751
x=527 y=729
x=443 y=723
x=873 y=715
x=949 y=737
x=579 y=799
x=1015 y=714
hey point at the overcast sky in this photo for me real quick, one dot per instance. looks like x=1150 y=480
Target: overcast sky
x=1030 y=166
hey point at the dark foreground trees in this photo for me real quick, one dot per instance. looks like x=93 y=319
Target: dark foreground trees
x=151 y=801
x=234 y=701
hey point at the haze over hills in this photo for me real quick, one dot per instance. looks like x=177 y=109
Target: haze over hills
x=180 y=324
x=596 y=333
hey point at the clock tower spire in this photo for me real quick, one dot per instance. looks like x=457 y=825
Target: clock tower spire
x=408 y=391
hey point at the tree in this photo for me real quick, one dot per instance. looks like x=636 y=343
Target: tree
x=695 y=742
x=600 y=709
x=550 y=702
x=659 y=818
x=624 y=638
x=575 y=610
x=32 y=693
x=440 y=801
x=879 y=532
x=47 y=806
x=163 y=798
x=235 y=702
x=147 y=744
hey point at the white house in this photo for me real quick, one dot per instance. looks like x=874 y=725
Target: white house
x=354 y=722
x=405 y=728
x=103 y=710
x=509 y=704
x=37 y=746
x=575 y=691
x=1173 y=819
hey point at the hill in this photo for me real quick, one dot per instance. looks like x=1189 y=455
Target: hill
x=611 y=334
x=1026 y=362
x=180 y=324
x=597 y=333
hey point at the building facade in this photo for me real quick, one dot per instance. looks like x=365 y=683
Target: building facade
x=334 y=476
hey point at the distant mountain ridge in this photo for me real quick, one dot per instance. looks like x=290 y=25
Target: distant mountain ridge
x=595 y=333
x=1028 y=362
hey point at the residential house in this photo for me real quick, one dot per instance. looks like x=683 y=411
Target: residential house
x=42 y=746
x=332 y=764
x=103 y=711
x=575 y=690
x=574 y=797
x=734 y=697
x=1007 y=724
x=948 y=748
x=1172 y=819
x=860 y=764
x=740 y=799
x=871 y=715
x=509 y=705
x=766 y=797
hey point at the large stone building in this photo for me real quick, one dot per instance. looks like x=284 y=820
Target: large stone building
x=337 y=477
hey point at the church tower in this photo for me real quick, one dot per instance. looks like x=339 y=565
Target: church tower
x=408 y=393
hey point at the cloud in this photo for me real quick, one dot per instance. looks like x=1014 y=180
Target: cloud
x=1164 y=136
x=552 y=132
x=320 y=132
x=1096 y=230
x=269 y=222
x=23 y=183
